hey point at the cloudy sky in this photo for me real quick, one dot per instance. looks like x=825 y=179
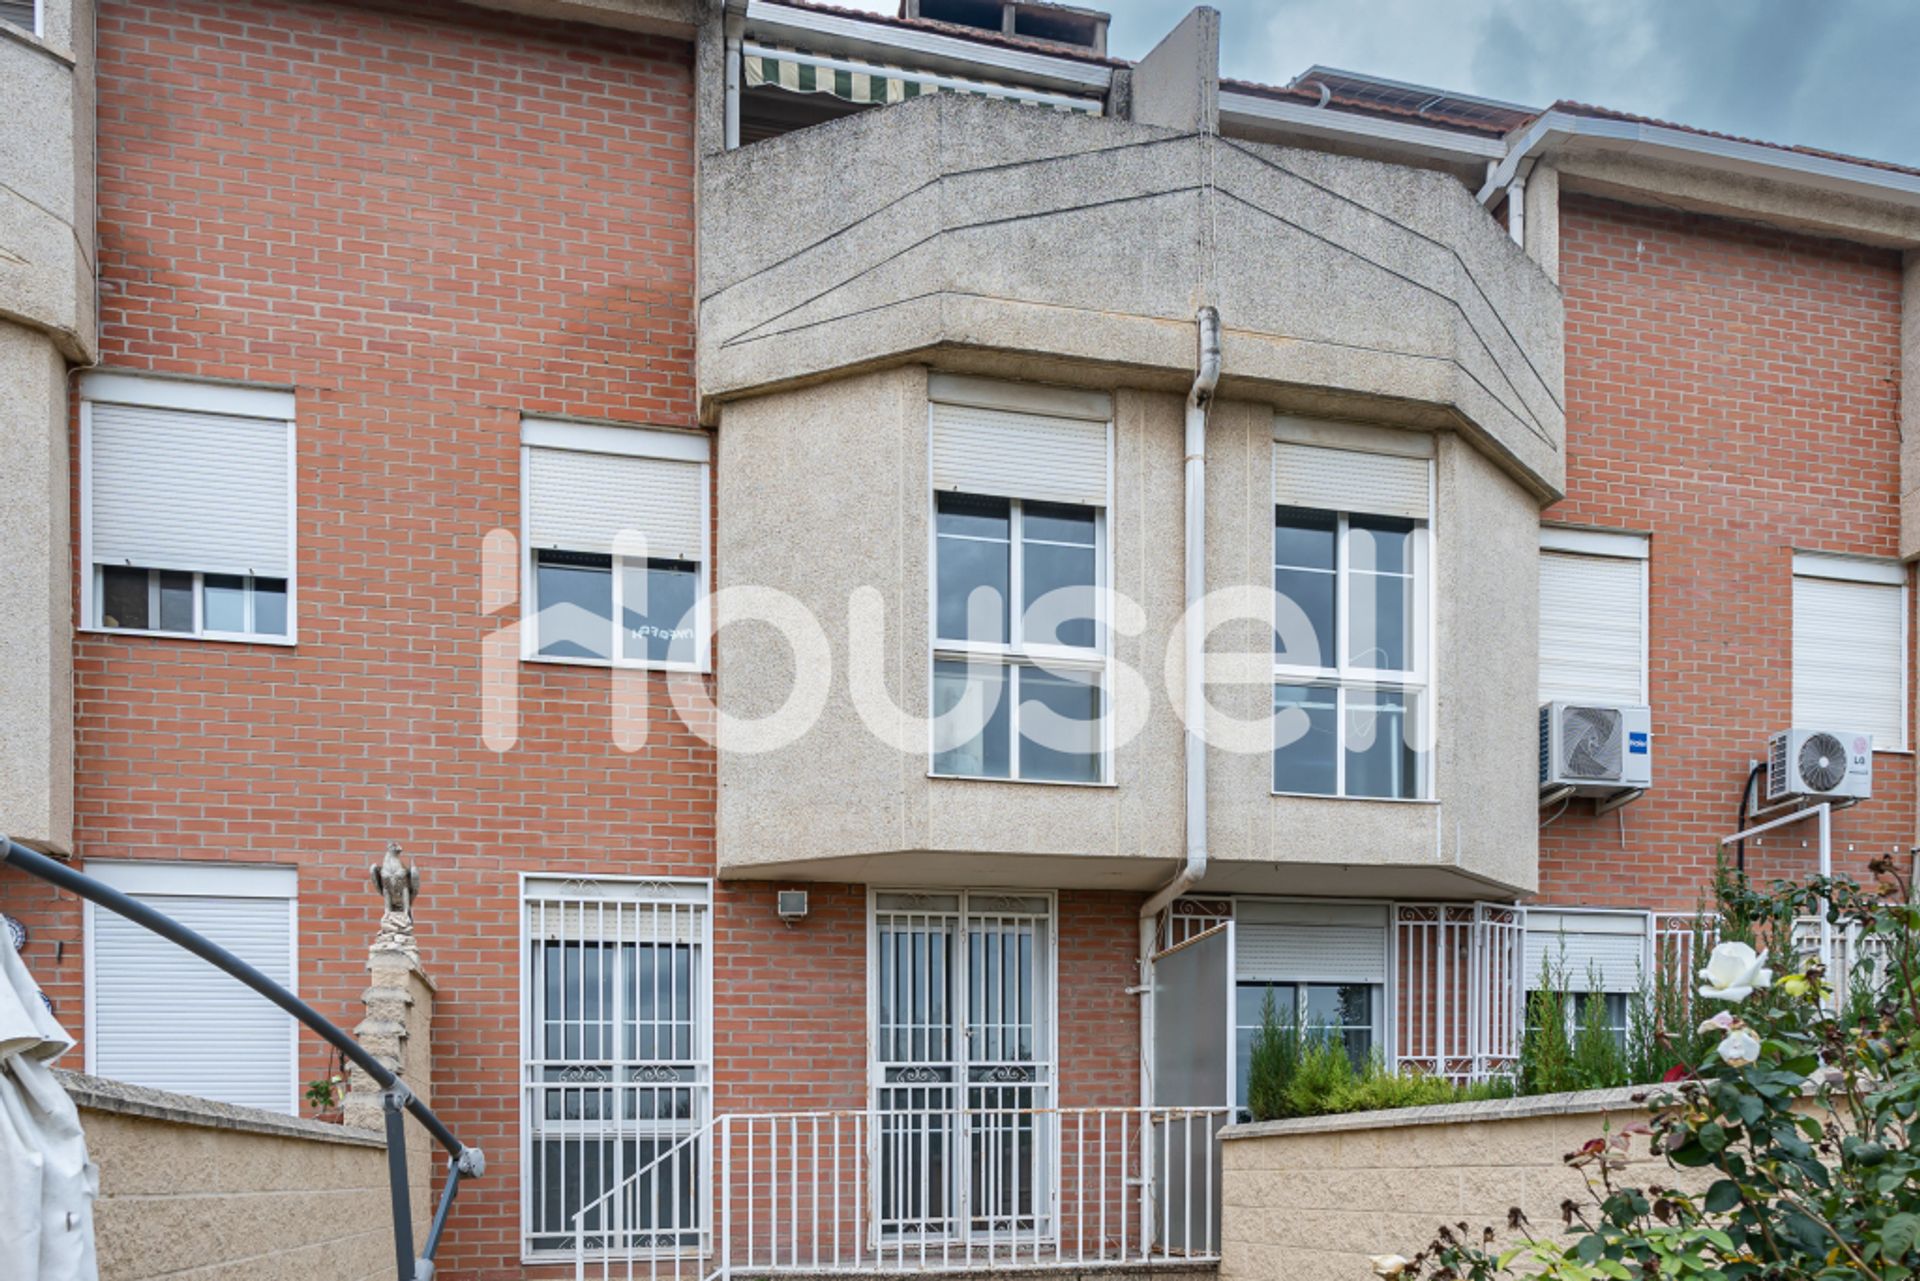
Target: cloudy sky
x=1838 y=74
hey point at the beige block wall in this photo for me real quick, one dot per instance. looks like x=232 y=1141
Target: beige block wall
x=844 y=799
x=1310 y=1199
x=230 y=1196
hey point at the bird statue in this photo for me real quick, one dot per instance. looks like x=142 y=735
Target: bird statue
x=399 y=888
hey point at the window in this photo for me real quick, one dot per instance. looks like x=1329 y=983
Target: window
x=617 y=1063
x=1593 y=617
x=1850 y=647
x=1590 y=956
x=161 y=1017
x=187 y=509
x=1338 y=1011
x=1350 y=623
x=616 y=521
x=21 y=13
x=1325 y=963
x=1020 y=646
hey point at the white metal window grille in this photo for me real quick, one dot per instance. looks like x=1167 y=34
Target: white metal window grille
x=1593 y=620
x=1351 y=641
x=187 y=510
x=1460 y=988
x=616 y=522
x=963 y=1069
x=1850 y=647
x=161 y=1017
x=1020 y=640
x=1185 y=918
x=617 y=1066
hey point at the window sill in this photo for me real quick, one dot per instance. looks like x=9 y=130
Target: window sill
x=608 y=664
x=1027 y=782
x=1372 y=800
x=214 y=638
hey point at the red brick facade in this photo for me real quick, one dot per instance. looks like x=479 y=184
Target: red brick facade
x=1734 y=392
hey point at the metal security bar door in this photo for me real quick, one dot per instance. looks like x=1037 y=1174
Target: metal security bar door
x=617 y=1066
x=963 y=1131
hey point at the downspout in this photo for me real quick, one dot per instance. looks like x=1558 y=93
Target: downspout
x=734 y=23
x=1199 y=399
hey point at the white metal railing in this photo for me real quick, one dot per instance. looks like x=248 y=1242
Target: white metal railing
x=944 y=1190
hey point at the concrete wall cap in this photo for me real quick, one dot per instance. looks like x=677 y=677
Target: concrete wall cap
x=97 y=1094
x=1573 y=1104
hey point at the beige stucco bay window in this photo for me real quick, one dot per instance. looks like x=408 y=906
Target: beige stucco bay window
x=1020 y=482
x=1351 y=578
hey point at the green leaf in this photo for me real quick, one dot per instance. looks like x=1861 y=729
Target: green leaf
x=1721 y=1197
x=1901 y=1233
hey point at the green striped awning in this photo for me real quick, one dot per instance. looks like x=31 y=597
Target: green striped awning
x=799 y=72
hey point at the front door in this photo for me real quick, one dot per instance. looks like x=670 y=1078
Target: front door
x=962 y=1073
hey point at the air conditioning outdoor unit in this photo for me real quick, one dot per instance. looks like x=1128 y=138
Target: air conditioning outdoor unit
x=1819 y=763
x=1597 y=750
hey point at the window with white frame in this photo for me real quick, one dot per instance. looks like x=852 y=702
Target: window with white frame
x=159 y=1016
x=24 y=14
x=1593 y=617
x=1850 y=646
x=617 y=1062
x=187 y=498
x=1588 y=957
x=1020 y=645
x=617 y=544
x=1322 y=965
x=1351 y=580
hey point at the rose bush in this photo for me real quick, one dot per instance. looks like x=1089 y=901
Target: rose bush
x=1799 y=1122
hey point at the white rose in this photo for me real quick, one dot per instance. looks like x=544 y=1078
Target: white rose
x=1739 y=1048
x=1721 y=1022
x=1388 y=1265
x=1733 y=971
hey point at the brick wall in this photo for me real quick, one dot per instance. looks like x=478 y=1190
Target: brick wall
x=1734 y=392
x=428 y=219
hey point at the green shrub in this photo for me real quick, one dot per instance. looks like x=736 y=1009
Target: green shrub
x=1272 y=1064
x=1324 y=1072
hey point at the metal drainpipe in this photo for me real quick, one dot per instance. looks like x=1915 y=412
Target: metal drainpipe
x=1198 y=401
x=734 y=24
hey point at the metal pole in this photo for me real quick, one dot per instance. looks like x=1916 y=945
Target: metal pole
x=440 y=1216
x=393 y=1100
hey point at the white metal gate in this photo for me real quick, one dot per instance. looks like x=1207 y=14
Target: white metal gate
x=963 y=1138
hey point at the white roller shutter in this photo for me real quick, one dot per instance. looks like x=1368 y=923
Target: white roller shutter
x=579 y=501
x=163 y=1018
x=178 y=489
x=1331 y=943
x=1592 y=629
x=1349 y=480
x=1007 y=454
x=1583 y=946
x=1849 y=658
